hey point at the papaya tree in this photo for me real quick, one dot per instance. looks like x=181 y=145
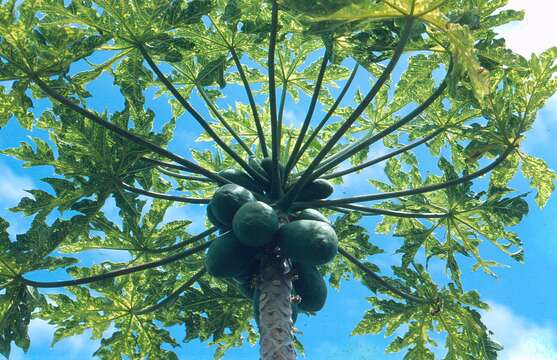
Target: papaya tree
x=424 y=90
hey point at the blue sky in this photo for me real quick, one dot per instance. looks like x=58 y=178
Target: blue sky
x=523 y=298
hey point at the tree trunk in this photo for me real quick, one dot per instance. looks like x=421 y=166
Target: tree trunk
x=275 y=309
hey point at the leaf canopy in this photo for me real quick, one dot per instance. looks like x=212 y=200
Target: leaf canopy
x=58 y=58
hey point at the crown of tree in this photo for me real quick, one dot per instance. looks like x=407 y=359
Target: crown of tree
x=425 y=90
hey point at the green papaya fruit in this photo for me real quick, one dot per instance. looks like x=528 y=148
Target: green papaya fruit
x=255 y=303
x=255 y=164
x=310 y=286
x=213 y=219
x=244 y=280
x=317 y=189
x=310 y=214
x=239 y=177
x=267 y=165
x=308 y=241
x=255 y=224
x=227 y=257
x=227 y=200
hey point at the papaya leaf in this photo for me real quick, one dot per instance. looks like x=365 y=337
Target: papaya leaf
x=541 y=177
x=451 y=311
x=78 y=77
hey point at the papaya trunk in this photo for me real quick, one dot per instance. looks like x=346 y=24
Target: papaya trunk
x=275 y=312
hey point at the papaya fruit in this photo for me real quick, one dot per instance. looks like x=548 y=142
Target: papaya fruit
x=310 y=286
x=227 y=200
x=317 y=189
x=227 y=257
x=310 y=214
x=255 y=224
x=267 y=165
x=239 y=177
x=255 y=164
x=213 y=219
x=255 y=303
x=308 y=241
x=244 y=280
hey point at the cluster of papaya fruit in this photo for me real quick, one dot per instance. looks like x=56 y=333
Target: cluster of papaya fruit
x=250 y=229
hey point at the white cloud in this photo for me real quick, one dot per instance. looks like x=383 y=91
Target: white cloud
x=522 y=338
x=41 y=333
x=12 y=186
x=290 y=118
x=534 y=34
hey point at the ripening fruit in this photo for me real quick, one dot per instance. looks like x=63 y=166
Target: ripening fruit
x=227 y=200
x=227 y=257
x=310 y=286
x=255 y=224
x=308 y=241
x=214 y=220
x=317 y=189
x=267 y=165
x=310 y=214
x=239 y=177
